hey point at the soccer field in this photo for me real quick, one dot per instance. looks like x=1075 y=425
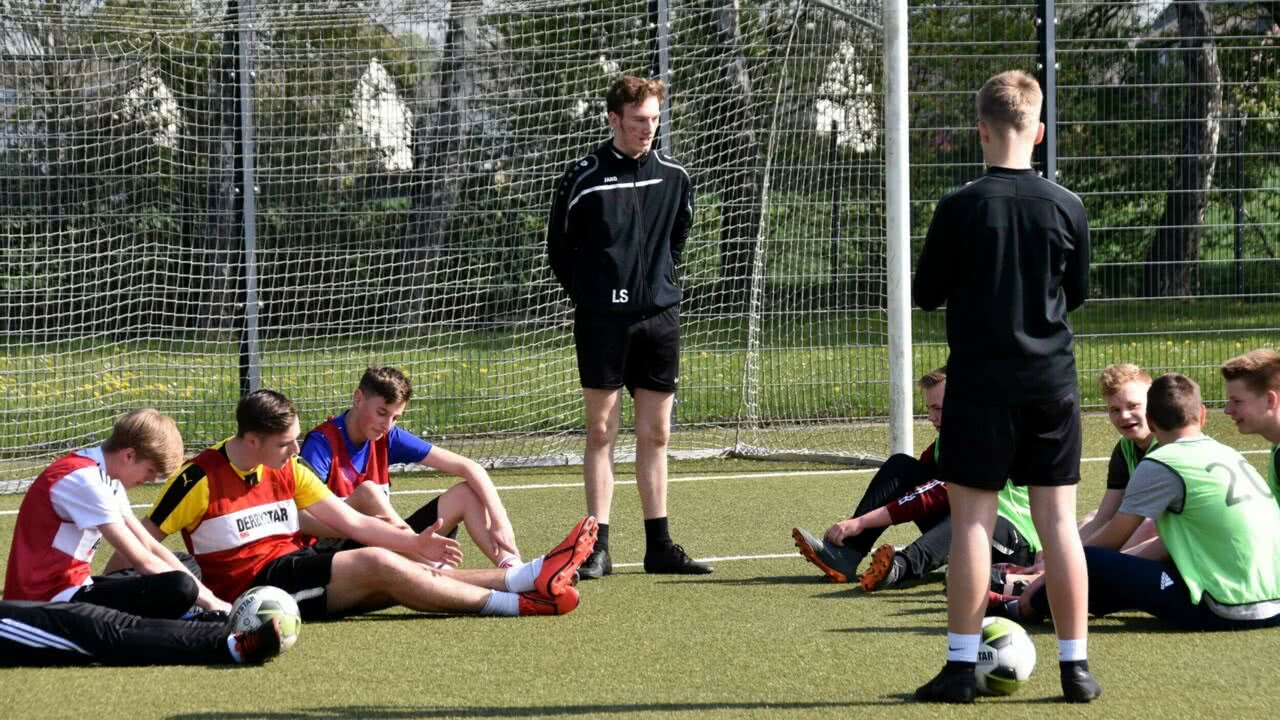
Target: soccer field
x=765 y=636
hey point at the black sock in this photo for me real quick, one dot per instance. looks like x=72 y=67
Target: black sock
x=656 y=535
x=958 y=667
x=602 y=537
x=1066 y=666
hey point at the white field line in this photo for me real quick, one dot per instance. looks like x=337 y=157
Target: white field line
x=681 y=479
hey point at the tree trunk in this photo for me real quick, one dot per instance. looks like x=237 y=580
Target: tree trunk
x=439 y=144
x=740 y=179
x=1176 y=246
x=223 y=234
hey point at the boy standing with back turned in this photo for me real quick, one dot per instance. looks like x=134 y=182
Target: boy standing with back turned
x=1009 y=255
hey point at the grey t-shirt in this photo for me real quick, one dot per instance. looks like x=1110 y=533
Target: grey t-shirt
x=1153 y=489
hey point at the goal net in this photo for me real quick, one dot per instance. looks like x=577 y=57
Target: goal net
x=206 y=195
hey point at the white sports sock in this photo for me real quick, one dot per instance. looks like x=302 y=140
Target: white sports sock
x=501 y=604
x=231 y=645
x=510 y=561
x=1072 y=650
x=521 y=579
x=962 y=648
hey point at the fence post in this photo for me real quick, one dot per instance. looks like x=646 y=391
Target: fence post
x=660 y=20
x=898 y=225
x=836 y=289
x=1239 y=203
x=250 y=351
x=1047 y=69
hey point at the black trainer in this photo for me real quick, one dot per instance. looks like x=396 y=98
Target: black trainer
x=214 y=616
x=950 y=686
x=261 y=644
x=999 y=572
x=672 y=560
x=1078 y=685
x=598 y=565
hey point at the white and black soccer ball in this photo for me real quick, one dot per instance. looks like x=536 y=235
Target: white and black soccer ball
x=1006 y=657
x=259 y=604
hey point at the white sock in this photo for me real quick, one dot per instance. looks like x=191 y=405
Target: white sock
x=1072 y=650
x=962 y=648
x=521 y=579
x=510 y=561
x=501 y=604
x=231 y=645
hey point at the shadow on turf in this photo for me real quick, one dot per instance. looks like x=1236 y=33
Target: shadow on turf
x=931 y=631
x=763 y=580
x=387 y=712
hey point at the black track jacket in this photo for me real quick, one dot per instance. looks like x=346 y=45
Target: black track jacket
x=617 y=231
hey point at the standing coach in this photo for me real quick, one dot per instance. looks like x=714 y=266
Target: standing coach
x=614 y=239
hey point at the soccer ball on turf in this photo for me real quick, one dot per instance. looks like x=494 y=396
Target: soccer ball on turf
x=1006 y=657
x=258 y=604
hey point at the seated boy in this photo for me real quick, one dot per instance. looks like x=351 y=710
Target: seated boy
x=903 y=491
x=79 y=500
x=237 y=504
x=352 y=452
x=1253 y=399
x=1124 y=389
x=1217 y=563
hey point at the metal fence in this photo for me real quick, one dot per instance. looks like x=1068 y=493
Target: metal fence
x=1167 y=129
x=198 y=195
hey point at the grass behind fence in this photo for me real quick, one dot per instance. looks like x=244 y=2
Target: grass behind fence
x=496 y=382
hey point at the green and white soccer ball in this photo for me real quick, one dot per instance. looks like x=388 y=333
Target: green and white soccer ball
x=258 y=604
x=1006 y=657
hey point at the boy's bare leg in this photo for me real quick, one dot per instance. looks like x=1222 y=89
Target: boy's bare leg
x=973 y=520
x=1067 y=581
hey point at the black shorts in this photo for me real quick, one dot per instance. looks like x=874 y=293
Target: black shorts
x=1035 y=443
x=305 y=575
x=635 y=351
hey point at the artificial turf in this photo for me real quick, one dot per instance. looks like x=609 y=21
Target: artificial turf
x=764 y=637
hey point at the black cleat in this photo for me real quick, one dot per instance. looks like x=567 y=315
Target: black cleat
x=999 y=572
x=598 y=565
x=950 y=686
x=261 y=644
x=214 y=616
x=672 y=560
x=839 y=564
x=1078 y=685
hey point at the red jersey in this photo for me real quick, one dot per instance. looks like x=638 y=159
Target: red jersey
x=56 y=534
x=234 y=523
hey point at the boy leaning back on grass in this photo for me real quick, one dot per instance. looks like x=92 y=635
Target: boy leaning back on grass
x=1009 y=256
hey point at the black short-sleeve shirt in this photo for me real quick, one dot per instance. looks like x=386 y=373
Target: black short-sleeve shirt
x=1009 y=256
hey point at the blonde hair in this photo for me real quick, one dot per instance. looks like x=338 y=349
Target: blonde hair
x=1116 y=376
x=933 y=378
x=1260 y=370
x=152 y=435
x=1010 y=101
